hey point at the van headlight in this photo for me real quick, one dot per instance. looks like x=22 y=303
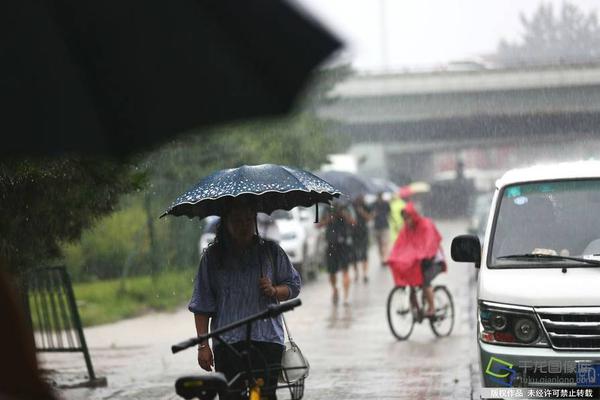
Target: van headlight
x=511 y=325
x=498 y=321
x=526 y=330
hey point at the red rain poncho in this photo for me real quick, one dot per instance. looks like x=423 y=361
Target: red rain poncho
x=411 y=247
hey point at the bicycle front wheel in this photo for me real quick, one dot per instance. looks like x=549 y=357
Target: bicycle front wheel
x=399 y=313
x=443 y=320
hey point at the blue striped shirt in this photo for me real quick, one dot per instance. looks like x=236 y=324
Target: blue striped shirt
x=228 y=290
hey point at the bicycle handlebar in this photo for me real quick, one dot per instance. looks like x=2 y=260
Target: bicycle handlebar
x=272 y=310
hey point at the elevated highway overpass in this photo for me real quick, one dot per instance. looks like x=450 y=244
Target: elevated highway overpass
x=397 y=121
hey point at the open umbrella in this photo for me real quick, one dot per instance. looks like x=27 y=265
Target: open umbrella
x=383 y=185
x=270 y=187
x=116 y=76
x=350 y=184
x=414 y=188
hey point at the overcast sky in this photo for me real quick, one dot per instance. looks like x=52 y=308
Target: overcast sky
x=395 y=34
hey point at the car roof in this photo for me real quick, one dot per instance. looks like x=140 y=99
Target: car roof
x=545 y=172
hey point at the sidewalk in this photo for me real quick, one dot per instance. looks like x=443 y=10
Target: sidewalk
x=352 y=353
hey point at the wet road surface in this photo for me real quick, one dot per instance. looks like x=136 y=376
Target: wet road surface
x=352 y=353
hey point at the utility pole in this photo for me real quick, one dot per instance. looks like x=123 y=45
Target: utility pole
x=383 y=32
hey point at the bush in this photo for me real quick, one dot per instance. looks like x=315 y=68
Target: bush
x=116 y=242
x=111 y=300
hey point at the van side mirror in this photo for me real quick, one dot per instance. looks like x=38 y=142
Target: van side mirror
x=466 y=248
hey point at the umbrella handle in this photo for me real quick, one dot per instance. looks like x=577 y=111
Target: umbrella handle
x=316 y=212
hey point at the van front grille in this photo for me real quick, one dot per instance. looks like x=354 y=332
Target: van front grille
x=572 y=328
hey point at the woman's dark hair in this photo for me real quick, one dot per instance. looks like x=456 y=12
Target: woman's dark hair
x=221 y=241
x=218 y=244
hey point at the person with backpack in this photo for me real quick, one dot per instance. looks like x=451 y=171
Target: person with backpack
x=381 y=213
x=360 y=236
x=338 y=233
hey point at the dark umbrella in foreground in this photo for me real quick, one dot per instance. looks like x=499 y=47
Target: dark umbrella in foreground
x=269 y=187
x=350 y=184
x=113 y=77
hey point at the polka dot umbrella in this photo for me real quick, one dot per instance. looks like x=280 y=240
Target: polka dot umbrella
x=268 y=187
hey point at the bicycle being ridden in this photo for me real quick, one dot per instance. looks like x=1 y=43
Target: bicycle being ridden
x=415 y=260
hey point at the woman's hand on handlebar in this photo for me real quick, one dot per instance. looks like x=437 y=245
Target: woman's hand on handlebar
x=205 y=358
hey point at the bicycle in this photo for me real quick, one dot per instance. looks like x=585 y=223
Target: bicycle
x=208 y=386
x=405 y=309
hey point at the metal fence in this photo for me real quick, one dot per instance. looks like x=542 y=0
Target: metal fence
x=50 y=303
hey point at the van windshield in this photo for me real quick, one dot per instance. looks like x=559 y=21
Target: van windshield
x=556 y=218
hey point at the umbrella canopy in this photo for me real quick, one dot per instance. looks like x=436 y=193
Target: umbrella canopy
x=351 y=185
x=384 y=185
x=116 y=76
x=269 y=187
x=413 y=189
x=420 y=187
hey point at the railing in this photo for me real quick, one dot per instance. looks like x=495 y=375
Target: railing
x=50 y=303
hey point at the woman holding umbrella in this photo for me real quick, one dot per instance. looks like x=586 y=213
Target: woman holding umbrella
x=240 y=274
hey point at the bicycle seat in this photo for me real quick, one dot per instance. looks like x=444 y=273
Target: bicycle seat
x=203 y=387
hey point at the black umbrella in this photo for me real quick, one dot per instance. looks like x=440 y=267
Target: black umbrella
x=269 y=187
x=115 y=76
x=382 y=185
x=350 y=184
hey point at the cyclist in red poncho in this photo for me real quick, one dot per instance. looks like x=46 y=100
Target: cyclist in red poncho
x=417 y=257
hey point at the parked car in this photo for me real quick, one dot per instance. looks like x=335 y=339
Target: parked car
x=315 y=242
x=209 y=231
x=539 y=279
x=294 y=230
x=266 y=226
x=299 y=239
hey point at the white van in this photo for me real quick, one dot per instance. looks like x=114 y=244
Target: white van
x=539 y=278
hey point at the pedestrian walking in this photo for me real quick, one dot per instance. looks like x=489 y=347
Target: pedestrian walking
x=416 y=257
x=361 y=238
x=381 y=211
x=240 y=274
x=395 y=220
x=338 y=224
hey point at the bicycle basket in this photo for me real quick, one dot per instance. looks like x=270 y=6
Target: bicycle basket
x=297 y=389
x=294 y=366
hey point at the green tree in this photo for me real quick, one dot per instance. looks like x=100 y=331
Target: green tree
x=569 y=36
x=133 y=241
x=301 y=140
x=45 y=202
x=115 y=245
